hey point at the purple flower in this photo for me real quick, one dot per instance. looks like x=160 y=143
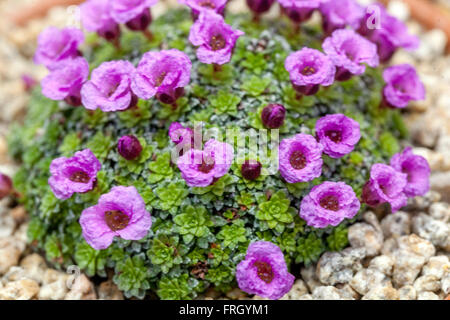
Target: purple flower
x=417 y=170
x=300 y=158
x=6 y=186
x=348 y=51
x=264 y=271
x=308 y=69
x=201 y=167
x=55 y=45
x=402 y=85
x=385 y=185
x=251 y=169
x=328 y=204
x=214 y=37
x=390 y=34
x=96 y=17
x=109 y=87
x=118 y=213
x=337 y=134
x=75 y=174
x=199 y=6
x=300 y=10
x=259 y=6
x=129 y=147
x=272 y=116
x=340 y=14
x=162 y=73
x=65 y=80
x=179 y=134
x=124 y=11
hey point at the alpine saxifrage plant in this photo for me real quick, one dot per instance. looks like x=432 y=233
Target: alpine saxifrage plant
x=104 y=189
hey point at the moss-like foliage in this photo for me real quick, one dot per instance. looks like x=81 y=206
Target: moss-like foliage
x=198 y=235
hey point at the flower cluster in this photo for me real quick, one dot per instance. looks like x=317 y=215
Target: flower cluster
x=406 y=176
x=104 y=16
x=118 y=85
x=389 y=35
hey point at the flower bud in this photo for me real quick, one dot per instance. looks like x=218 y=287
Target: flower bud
x=6 y=186
x=259 y=6
x=273 y=116
x=251 y=169
x=129 y=147
x=141 y=22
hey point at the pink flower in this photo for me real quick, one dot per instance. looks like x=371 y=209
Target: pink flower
x=201 y=167
x=119 y=213
x=55 y=45
x=300 y=158
x=109 y=88
x=214 y=38
x=75 y=174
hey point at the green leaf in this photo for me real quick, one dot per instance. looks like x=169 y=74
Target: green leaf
x=224 y=102
x=175 y=288
x=255 y=85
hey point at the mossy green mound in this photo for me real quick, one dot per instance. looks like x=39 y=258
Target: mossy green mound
x=198 y=234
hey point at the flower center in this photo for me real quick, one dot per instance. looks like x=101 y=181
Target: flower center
x=334 y=135
x=206 y=167
x=159 y=80
x=308 y=71
x=116 y=220
x=408 y=173
x=297 y=160
x=207 y=4
x=330 y=203
x=80 y=176
x=264 y=270
x=217 y=42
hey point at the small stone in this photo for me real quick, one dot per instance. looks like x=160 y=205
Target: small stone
x=24 y=289
x=363 y=235
x=440 y=182
x=437 y=266
x=445 y=283
x=82 y=289
x=440 y=211
x=298 y=289
x=7 y=225
x=366 y=279
x=339 y=267
x=347 y=292
x=371 y=218
x=53 y=291
x=235 y=294
x=422 y=203
x=309 y=276
x=407 y=293
x=19 y=214
x=389 y=247
x=326 y=293
x=435 y=231
x=381 y=293
x=396 y=224
x=34 y=266
x=108 y=290
x=427 y=295
x=14 y=273
x=383 y=264
x=427 y=283
x=306 y=297
x=412 y=253
x=10 y=251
